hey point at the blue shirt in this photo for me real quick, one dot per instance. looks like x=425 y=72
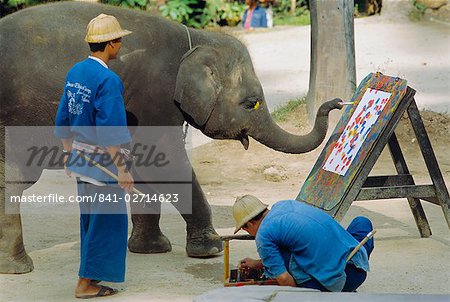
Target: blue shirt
x=92 y=111
x=307 y=242
x=259 y=18
x=92 y=101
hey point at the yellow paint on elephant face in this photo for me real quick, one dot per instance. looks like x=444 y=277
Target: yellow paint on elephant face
x=257 y=105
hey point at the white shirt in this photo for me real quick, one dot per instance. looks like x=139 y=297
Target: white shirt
x=98 y=60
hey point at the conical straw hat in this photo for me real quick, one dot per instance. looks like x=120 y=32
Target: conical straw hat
x=246 y=208
x=104 y=28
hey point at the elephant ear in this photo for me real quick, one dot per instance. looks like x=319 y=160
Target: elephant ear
x=198 y=85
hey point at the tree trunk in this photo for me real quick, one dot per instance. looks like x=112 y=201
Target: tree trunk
x=332 y=71
x=293 y=6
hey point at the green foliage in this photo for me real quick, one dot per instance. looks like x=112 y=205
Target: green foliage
x=418 y=11
x=282 y=13
x=14 y=2
x=220 y=12
x=213 y=13
x=179 y=10
x=10 y=6
x=288 y=19
x=420 y=6
x=141 y=4
x=281 y=113
x=284 y=7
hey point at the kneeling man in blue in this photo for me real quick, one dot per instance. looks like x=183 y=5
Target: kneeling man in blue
x=91 y=123
x=301 y=245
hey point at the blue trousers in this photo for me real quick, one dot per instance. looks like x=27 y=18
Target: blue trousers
x=358 y=228
x=103 y=235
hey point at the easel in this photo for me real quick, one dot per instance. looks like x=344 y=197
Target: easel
x=402 y=185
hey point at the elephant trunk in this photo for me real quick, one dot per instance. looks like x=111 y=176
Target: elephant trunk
x=276 y=138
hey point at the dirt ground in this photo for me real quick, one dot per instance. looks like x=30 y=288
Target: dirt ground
x=402 y=262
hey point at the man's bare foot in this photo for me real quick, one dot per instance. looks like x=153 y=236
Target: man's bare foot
x=85 y=289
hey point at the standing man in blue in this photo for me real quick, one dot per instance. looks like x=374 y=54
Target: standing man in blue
x=254 y=15
x=301 y=245
x=91 y=121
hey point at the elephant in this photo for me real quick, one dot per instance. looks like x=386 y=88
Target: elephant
x=172 y=75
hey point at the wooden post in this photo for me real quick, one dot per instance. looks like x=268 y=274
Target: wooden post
x=332 y=65
x=226 y=261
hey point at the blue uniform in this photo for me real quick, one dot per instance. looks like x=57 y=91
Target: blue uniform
x=311 y=246
x=259 y=18
x=92 y=111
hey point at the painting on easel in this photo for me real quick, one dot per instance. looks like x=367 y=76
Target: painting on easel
x=352 y=138
x=361 y=124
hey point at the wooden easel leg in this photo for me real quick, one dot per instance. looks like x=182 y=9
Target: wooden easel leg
x=430 y=159
x=414 y=203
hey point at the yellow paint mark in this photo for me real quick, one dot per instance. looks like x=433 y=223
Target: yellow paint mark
x=257 y=105
x=39 y=40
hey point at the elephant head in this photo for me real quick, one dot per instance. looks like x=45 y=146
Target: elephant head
x=219 y=93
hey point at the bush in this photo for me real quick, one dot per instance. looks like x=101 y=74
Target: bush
x=10 y=6
x=282 y=13
x=284 y=7
x=180 y=11
x=203 y=13
x=141 y=4
x=220 y=12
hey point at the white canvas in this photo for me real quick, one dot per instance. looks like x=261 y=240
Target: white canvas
x=355 y=133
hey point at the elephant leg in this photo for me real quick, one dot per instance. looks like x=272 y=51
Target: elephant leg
x=146 y=236
x=13 y=257
x=201 y=239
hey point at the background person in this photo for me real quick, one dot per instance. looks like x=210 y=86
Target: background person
x=92 y=102
x=254 y=15
x=301 y=245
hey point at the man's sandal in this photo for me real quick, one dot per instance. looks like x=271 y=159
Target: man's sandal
x=101 y=293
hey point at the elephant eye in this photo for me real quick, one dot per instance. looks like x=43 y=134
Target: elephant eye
x=252 y=103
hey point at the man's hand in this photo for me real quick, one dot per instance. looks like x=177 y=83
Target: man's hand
x=286 y=279
x=67 y=147
x=125 y=181
x=249 y=263
x=66 y=158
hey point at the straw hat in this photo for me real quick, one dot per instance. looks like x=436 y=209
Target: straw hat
x=246 y=208
x=104 y=28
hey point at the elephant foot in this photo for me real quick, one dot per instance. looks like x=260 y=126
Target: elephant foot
x=203 y=243
x=149 y=245
x=18 y=265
